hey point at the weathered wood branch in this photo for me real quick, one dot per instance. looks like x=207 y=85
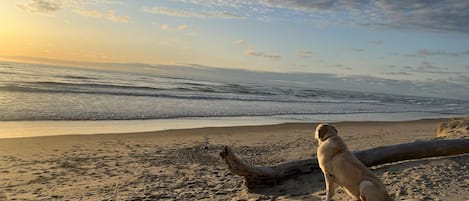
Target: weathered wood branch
x=261 y=176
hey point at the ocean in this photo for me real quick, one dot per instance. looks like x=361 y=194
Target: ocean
x=32 y=92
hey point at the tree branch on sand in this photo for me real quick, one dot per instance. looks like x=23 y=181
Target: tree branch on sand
x=257 y=177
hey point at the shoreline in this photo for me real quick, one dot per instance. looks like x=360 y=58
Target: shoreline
x=25 y=129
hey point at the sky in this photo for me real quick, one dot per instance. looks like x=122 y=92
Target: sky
x=396 y=40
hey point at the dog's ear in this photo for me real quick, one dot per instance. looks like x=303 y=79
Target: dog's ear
x=322 y=131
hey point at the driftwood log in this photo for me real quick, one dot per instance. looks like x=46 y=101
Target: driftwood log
x=257 y=177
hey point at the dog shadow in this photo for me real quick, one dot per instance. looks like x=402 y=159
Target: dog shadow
x=304 y=187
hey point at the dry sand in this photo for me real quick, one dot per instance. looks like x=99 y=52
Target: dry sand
x=184 y=164
x=454 y=128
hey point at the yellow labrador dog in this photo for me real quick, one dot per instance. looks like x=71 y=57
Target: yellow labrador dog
x=341 y=167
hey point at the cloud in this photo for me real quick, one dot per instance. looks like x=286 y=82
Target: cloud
x=397 y=73
x=164 y=27
x=182 y=27
x=342 y=67
x=376 y=42
x=305 y=53
x=49 y=7
x=408 y=67
x=192 y=14
x=444 y=15
x=45 y=7
x=429 y=68
x=347 y=68
x=339 y=65
x=169 y=42
x=215 y=3
x=254 y=53
x=354 y=49
x=239 y=42
x=437 y=16
x=108 y=15
x=427 y=52
x=111 y=16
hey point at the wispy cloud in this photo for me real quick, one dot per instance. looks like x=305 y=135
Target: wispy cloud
x=305 y=53
x=239 y=42
x=189 y=13
x=108 y=15
x=425 y=66
x=164 y=27
x=354 y=49
x=169 y=42
x=215 y=3
x=182 y=27
x=376 y=42
x=400 y=73
x=428 y=68
x=49 y=7
x=438 y=16
x=342 y=67
x=444 y=15
x=45 y=7
x=427 y=52
x=254 y=53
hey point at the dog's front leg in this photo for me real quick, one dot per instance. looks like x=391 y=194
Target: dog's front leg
x=330 y=186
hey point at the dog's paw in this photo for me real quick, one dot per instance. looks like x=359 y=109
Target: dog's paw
x=326 y=198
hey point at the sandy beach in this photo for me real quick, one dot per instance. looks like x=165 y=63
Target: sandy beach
x=184 y=164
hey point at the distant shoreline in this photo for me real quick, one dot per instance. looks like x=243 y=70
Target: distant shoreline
x=26 y=129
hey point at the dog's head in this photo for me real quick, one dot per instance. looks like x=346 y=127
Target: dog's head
x=324 y=131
